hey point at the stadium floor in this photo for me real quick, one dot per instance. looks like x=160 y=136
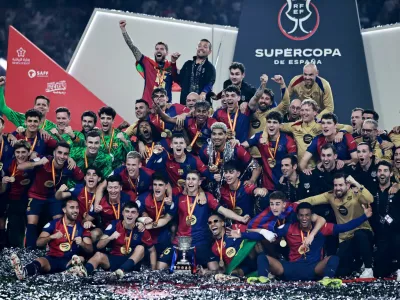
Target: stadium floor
x=161 y=285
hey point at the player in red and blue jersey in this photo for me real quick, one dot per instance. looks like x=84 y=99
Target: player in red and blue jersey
x=14 y=195
x=39 y=145
x=148 y=137
x=108 y=207
x=192 y=221
x=280 y=212
x=238 y=123
x=177 y=165
x=84 y=193
x=225 y=248
x=127 y=244
x=160 y=99
x=305 y=258
x=219 y=151
x=136 y=179
x=237 y=196
x=50 y=174
x=154 y=205
x=64 y=239
x=6 y=150
x=198 y=127
x=273 y=145
x=157 y=72
x=346 y=148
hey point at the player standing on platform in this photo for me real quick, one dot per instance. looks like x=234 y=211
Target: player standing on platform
x=157 y=72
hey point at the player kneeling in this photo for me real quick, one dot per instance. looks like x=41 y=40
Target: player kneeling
x=64 y=238
x=126 y=242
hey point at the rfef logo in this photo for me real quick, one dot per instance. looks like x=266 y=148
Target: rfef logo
x=298 y=19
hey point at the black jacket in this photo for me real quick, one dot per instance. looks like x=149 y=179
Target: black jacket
x=247 y=90
x=206 y=82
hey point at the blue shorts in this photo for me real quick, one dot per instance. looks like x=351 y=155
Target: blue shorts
x=36 y=206
x=116 y=261
x=204 y=255
x=298 y=270
x=57 y=264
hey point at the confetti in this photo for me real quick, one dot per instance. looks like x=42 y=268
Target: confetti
x=148 y=284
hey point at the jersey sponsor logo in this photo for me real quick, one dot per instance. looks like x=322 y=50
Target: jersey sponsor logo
x=343 y=210
x=307 y=138
x=255 y=123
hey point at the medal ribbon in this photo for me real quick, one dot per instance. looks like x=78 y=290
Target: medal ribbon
x=158 y=211
x=190 y=211
x=218 y=158
x=195 y=138
x=1 y=149
x=149 y=150
x=233 y=198
x=44 y=124
x=131 y=183
x=161 y=122
x=69 y=238
x=15 y=169
x=111 y=141
x=32 y=145
x=275 y=149
x=86 y=160
x=116 y=213
x=302 y=240
x=87 y=200
x=160 y=76
x=53 y=174
x=220 y=247
x=128 y=242
x=233 y=126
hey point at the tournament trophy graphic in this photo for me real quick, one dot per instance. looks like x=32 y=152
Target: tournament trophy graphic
x=183 y=266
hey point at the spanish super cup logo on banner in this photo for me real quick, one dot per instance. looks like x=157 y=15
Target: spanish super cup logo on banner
x=298 y=19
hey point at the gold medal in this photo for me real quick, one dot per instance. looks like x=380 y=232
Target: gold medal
x=12 y=179
x=221 y=263
x=163 y=134
x=1 y=166
x=189 y=148
x=49 y=183
x=230 y=252
x=271 y=162
x=64 y=247
x=282 y=243
x=123 y=250
x=238 y=210
x=154 y=224
x=190 y=221
x=24 y=182
x=168 y=132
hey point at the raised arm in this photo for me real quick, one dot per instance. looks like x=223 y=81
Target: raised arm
x=136 y=52
x=283 y=106
x=254 y=100
x=327 y=100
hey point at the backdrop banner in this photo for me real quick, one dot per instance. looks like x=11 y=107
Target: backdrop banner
x=280 y=36
x=31 y=72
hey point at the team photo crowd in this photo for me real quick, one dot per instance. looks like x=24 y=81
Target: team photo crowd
x=263 y=186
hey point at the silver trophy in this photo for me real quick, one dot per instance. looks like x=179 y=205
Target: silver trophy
x=183 y=265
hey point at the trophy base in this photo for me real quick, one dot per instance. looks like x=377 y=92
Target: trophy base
x=183 y=268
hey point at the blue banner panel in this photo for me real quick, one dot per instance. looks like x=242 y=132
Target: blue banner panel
x=280 y=36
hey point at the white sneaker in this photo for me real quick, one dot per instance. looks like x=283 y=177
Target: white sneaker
x=367 y=273
x=398 y=275
x=16 y=264
x=119 y=274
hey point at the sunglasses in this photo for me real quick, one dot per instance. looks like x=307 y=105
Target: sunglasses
x=213 y=222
